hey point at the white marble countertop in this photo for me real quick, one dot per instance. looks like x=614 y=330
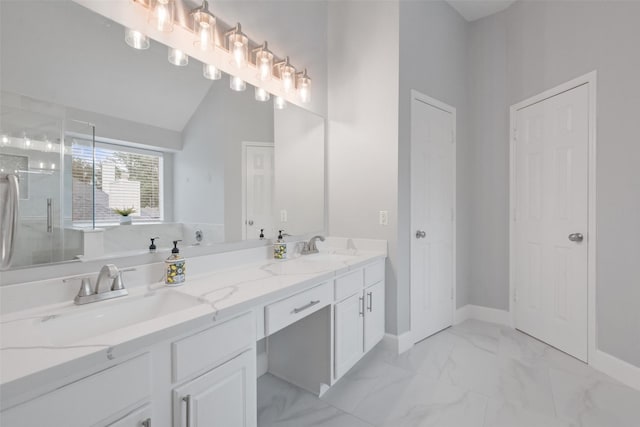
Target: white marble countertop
x=29 y=355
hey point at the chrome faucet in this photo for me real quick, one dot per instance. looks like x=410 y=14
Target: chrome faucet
x=310 y=246
x=108 y=272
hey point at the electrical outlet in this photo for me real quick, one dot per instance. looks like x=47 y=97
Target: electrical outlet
x=283 y=215
x=384 y=217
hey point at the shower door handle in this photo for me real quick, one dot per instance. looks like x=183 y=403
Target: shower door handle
x=49 y=215
x=9 y=218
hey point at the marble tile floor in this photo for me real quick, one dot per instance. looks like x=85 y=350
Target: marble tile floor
x=474 y=374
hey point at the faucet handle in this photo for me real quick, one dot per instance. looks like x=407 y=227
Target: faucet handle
x=118 y=283
x=85 y=285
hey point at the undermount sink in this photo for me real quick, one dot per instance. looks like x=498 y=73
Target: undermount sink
x=310 y=264
x=103 y=317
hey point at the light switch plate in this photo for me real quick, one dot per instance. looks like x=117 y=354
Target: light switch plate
x=384 y=217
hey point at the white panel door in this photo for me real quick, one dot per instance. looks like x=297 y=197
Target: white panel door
x=349 y=333
x=259 y=191
x=550 y=220
x=225 y=396
x=374 y=315
x=432 y=218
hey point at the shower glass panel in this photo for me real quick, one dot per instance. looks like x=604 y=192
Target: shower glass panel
x=31 y=148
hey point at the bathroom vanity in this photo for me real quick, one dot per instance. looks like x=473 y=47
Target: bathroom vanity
x=187 y=356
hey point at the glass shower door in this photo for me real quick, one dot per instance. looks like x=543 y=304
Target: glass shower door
x=31 y=150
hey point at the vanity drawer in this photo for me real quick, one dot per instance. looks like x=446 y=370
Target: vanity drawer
x=88 y=401
x=212 y=346
x=374 y=273
x=289 y=310
x=348 y=285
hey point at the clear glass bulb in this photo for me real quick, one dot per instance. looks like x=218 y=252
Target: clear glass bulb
x=304 y=88
x=279 y=103
x=237 y=84
x=136 y=39
x=211 y=72
x=264 y=63
x=262 y=95
x=161 y=15
x=238 y=45
x=178 y=57
x=204 y=26
x=288 y=77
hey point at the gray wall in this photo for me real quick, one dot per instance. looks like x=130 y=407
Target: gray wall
x=548 y=43
x=433 y=60
x=363 y=127
x=208 y=170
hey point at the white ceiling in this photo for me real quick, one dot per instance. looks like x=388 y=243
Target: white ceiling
x=476 y=9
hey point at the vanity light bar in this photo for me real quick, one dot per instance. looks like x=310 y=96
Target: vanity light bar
x=203 y=23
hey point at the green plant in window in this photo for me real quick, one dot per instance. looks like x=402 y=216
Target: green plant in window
x=124 y=211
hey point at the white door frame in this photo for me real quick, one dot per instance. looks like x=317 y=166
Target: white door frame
x=246 y=144
x=590 y=80
x=452 y=110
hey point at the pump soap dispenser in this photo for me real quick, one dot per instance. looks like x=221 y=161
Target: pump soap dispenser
x=280 y=247
x=175 y=267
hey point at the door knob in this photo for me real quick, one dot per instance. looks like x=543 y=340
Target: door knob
x=576 y=237
x=420 y=234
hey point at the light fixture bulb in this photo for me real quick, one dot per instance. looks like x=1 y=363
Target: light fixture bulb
x=238 y=45
x=287 y=75
x=161 y=15
x=178 y=57
x=237 y=84
x=264 y=62
x=204 y=25
x=304 y=87
x=279 y=103
x=136 y=39
x=211 y=72
x=262 y=95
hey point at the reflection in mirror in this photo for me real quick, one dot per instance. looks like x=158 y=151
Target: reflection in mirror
x=175 y=155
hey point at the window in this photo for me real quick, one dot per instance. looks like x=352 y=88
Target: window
x=125 y=178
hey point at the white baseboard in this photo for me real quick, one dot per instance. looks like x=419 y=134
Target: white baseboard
x=398 y=343
x=485 y=314
x=617 y=369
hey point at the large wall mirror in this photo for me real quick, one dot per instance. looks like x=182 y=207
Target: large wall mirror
x=94 y=128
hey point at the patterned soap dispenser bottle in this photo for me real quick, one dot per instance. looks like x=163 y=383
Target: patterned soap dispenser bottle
x=175 y=267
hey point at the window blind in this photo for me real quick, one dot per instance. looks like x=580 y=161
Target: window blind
x=125 y=178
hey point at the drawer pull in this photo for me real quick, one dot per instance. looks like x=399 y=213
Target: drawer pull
x=304 y=307
x=370 y=295
x=187 y=399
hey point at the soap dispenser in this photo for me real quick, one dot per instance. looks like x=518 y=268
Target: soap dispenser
x=152 y=246
x=280 y=247
x=175 y=267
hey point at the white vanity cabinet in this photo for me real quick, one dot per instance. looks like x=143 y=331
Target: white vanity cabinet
x=224 y=396
x=358 y=318
x=95 y=400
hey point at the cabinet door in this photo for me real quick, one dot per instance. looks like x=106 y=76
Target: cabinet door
x=225 y=396
x=141 y=417
x=373 y=315
x=349 y=325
